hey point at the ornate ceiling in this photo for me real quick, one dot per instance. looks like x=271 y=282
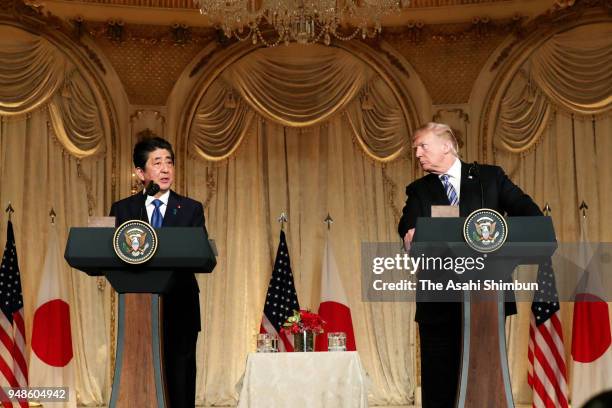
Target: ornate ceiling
x=149 y=42
x=168 y=12
x=189 y=4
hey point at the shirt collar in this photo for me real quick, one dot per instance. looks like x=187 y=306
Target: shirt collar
x=163 y=198
x=455 y=170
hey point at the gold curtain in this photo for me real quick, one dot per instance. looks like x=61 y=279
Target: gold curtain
x=35 y=74
x=573 y=69
x=31 y=71
x=325 y=163
x=553 y=137
x=569 y=72
x=524 y=114
x=76 y=117
x=307 y=173
x=378 y=120
x=298 y=86
x=220 y=122
x=571 y=163
x=51 y=134
x=318 y=132
x=36 y=174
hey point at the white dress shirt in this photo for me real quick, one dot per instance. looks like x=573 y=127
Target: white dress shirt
x=162 y=208
x=454 y=177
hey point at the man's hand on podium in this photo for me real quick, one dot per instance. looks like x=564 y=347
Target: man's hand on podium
x=408 y=239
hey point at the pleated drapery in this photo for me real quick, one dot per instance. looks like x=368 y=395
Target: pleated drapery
x=298 y=87
x=569 y=72
x=34 y=74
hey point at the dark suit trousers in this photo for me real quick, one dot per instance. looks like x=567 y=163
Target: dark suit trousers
x=440 y=363
x=180 y=367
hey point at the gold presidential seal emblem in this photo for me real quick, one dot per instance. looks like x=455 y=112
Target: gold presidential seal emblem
x=135 y=242
x=485 y=230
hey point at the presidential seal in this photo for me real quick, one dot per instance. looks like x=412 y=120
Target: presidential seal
x=135 y=242
x=485 y=230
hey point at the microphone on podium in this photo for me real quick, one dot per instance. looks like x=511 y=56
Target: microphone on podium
x=151 y=189
x=474 y=171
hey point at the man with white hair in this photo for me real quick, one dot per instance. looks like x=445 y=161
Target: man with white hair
x=470 y=186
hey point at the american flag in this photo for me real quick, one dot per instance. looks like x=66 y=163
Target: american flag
x=13 y=367
x=547 y=375
x=281 y=299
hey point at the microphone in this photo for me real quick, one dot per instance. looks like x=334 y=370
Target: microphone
x=150 y=189
x=474 y=171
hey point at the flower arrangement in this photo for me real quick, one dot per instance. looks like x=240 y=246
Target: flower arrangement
x=303 y=321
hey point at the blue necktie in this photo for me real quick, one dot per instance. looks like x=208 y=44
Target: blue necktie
x=156 y=218
x=453 y=199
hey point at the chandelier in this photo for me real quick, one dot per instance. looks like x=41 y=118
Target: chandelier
x=303 y=21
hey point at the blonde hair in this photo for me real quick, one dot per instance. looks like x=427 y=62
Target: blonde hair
x=443 y=131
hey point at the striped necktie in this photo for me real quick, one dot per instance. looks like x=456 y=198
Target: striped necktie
x=451 y=193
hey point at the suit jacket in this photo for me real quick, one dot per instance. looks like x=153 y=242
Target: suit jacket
x=499 y=193
x=181 y=304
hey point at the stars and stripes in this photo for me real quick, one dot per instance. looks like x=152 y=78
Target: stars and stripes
x=547 y=371
x=453 y=198
x=281 y=299
x=13 y=367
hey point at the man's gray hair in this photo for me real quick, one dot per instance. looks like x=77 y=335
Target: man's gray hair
x=441 y=130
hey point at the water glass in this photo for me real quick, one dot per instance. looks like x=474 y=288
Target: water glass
x=336 y=341
x=267 y=343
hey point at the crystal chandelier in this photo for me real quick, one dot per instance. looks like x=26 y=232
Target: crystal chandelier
x=303 y=21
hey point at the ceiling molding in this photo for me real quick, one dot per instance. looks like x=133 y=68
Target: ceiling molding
x=169 y=12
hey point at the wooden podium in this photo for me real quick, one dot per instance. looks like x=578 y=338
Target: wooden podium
x=138 y=379
x=485 y=378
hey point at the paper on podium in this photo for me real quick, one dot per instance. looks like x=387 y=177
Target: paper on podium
x=101 y=222
x=444 y=211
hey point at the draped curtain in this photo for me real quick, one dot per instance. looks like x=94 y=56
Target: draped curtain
x=307 y=131
x=553 y=137
x=306 y=173
x=569 y=72
x=34 y=74
x=52 y=141
x=571 y=164
x=299 y=86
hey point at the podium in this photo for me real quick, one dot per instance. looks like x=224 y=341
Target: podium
x=485 y=378
x=138 y=379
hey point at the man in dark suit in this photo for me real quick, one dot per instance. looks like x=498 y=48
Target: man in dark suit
x=470 y=186
x=154 y=162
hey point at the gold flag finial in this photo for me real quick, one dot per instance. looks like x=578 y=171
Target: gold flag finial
x=546 y=210
x=9 y=210
x=52 y=215
x=583 y=207
x=282 y=219
x=329 y=221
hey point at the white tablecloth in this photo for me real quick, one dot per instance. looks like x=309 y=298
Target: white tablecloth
x=309 y=380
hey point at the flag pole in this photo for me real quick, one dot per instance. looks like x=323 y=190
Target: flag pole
x=282 y=219
x=10 y=210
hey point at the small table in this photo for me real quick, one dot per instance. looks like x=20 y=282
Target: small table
x=309 y=380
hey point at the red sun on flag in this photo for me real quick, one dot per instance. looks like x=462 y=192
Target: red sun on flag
x=591 y=332
x=51 y=334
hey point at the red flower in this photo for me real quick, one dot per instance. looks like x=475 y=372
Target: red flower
x=303 y=321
